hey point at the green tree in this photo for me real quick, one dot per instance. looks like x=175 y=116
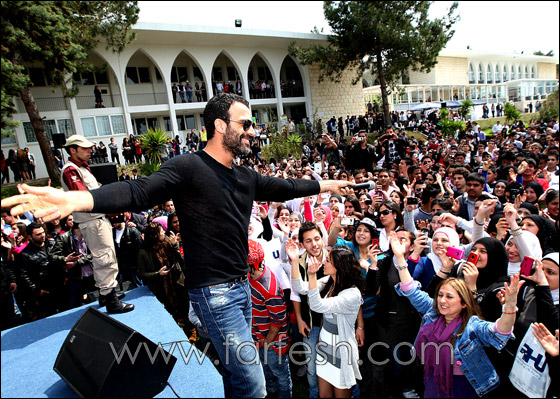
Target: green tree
x=465 y=108
x=387 y=37
x=154 y=144
x=58 y=35
x=550 y=107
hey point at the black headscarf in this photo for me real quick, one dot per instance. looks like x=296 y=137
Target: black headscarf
x=530 y=207
x=537 y=188
x=547 y=234
x=497 y=264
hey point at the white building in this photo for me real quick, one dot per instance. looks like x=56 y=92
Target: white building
x=137 y=94
x=488 y=77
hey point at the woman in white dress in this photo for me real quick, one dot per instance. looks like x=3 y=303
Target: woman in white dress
x=338 y=297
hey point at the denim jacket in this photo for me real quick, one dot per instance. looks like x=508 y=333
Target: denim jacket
x=469 y=346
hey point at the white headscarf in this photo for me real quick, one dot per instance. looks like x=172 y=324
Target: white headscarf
x=534 y=246
x=453 y=240
x=257 y=228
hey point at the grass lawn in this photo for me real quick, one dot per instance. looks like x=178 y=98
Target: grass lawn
x=486 y=124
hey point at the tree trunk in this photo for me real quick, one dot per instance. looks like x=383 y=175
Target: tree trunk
x=41 y=134
x=383 y=84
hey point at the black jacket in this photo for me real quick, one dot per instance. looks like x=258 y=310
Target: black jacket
x=35 y=270
x=63 y=247
x=127 y=250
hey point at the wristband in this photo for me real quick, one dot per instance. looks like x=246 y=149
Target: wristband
x=399 y=268
x=514 y=311
x=359 y=328
x=480 y=224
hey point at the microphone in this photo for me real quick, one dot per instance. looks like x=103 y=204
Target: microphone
x=367 y=186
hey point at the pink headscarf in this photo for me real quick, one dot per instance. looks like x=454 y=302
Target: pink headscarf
x=328 y=216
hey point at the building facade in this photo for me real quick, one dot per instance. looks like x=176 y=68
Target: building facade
x=137 y=85
x=488 y=77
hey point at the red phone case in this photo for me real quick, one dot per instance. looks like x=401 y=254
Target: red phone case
x=526 y=266
x=473 y=258
x=375 y=241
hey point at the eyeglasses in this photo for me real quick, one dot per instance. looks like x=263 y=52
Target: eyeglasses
x=247 y=123
x=386 y=212
x=343 y=175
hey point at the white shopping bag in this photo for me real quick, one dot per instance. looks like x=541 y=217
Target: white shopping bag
x=529 y=373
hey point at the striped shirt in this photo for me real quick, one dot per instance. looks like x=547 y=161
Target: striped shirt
x=269 y=309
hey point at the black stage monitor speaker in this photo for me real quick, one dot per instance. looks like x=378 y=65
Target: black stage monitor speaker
x=94 y=362
x=443 y=105
x=105 y=173
x=58 y=140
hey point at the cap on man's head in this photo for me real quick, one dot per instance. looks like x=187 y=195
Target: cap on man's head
x=78 y=140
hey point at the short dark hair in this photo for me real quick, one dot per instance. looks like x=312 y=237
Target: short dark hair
x=218 y=108
x=32 y=226
x=68 y=149
x=308 y=226
x=461 y=171
x=431 y=191
x=476 y=177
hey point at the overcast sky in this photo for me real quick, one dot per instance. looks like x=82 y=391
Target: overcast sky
x=498 y=26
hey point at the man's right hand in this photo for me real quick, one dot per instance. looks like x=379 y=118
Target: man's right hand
x=48 y=203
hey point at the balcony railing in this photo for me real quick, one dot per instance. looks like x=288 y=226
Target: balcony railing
x=146 y=99
x=48 y=104
x=109 y=101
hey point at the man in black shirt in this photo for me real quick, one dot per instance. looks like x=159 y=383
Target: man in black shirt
x=214 y=199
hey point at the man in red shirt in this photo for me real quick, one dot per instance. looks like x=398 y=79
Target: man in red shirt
x=96 y=229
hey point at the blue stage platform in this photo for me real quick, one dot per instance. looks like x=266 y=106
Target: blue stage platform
x=29 y=353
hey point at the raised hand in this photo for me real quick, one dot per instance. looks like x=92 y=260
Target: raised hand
x=470 y=274
x=538 y=276
x=548 y=341
x=292 y=250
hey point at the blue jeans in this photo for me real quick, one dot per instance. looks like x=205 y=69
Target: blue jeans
x=311 y=358
x=277 y=373
x=225 y=313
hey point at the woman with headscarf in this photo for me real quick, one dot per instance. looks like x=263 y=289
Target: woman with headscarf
x=545 y=231
x=534 y=191
x=526 y=208
x=500 y=190
x=437 y=261
x=534 y=302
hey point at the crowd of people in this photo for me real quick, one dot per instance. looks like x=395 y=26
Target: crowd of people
x=20 y=162
x=417 y=270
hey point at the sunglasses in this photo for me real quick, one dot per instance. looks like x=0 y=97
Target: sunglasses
x=247 y=123
x=386 y=212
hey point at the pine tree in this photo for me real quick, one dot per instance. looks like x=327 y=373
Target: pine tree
x=388 y=37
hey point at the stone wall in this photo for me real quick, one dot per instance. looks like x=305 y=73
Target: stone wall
x=451 y=70
x=422 y=78
x=547 y=71
x=338 y=99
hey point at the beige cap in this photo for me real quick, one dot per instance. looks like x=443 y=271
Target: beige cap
x=78 y=140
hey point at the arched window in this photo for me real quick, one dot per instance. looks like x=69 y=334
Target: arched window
x=505 y=77
x=512 y=77
x=519 y=72
x=489 y=74
x=480 y=74
x=533 y=75
x=497 y=77
x=526 y=72
x=472 y=78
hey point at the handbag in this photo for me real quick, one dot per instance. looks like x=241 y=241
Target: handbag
x=529 y=374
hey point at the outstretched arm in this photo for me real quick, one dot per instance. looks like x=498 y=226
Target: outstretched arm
x=48 y=203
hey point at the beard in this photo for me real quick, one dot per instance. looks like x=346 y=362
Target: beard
x=233 y=142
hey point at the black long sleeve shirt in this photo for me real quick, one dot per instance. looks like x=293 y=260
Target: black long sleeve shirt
x=213 y=203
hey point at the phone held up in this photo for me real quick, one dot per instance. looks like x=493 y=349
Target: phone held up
x=473 y=258
x=527 y=266
x=455 y=253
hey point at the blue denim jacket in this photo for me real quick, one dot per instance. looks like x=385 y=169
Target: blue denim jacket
x=469 y=346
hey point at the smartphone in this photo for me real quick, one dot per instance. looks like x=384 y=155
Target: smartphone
x=347 y=222
x=455 y=253
x=473 y=258
x=411 y=201
x=527 y=266
x=375 y=241
x=368 y=202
